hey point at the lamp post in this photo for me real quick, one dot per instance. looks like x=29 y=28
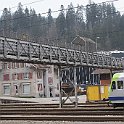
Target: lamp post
x=97 y=43
x=85 y=46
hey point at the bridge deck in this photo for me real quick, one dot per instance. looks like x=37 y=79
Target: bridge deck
x=22 y=51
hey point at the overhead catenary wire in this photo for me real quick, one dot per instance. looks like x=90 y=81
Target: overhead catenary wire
x=55 y=11
x=11 y=19
x=33 y=2
x=48 y=23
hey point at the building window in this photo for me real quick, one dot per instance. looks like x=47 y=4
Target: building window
x=5 y=77
x=13 y=65
x=57 y=86
x=20 y=76
x=57 y=73
x=26 y=75
x=50 y=70
x=4 y=66
x=17 y=65
x=14 y=76
x=104 y=76
x=22 y=65
x=39 y=74
x=6 y=89
x=9 y=65
x=50 y=80
x=30 y=75
x=26 y=88
x=39 y=86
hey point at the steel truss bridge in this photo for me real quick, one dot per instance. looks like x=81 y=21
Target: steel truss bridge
x=23 y=51
x=28 y=52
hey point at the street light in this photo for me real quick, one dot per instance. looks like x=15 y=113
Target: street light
x=97 y=43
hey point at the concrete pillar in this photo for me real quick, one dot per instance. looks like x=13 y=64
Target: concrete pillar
x=75 y=86
x=60 y=92
x=46 y=88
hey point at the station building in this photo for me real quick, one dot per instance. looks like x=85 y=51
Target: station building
x=28 y=80
x=104 y=76
x=36 y=80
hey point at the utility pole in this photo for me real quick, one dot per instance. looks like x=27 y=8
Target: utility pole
x=90 y=24
x=89 y=2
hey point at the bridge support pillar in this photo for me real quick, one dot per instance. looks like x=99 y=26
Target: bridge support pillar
x=60 y=86
x=75 y=87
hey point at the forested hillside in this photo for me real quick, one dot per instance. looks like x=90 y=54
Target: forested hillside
x=92 y=21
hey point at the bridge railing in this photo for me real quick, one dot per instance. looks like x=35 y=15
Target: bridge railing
x=12 y=49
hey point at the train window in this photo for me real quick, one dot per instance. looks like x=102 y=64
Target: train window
x=120 y=84
x=113 y=85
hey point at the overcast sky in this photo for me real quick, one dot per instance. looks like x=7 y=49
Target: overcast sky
x=42 y=6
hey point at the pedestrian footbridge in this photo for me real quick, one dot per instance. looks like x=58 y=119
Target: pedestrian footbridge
x=23 y=51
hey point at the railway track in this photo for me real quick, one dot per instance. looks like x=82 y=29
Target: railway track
x=76 y=113
x=84 y=112
x=65 y=118
x=67 y=105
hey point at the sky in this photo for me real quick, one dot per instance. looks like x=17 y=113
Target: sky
x=42 y=6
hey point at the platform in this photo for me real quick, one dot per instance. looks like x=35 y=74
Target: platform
x=52 y=100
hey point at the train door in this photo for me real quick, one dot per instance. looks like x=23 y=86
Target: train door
x=113 y=89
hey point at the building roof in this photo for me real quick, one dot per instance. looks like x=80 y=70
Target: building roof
x=39 y=66
x=81 y=40
x=101 y=71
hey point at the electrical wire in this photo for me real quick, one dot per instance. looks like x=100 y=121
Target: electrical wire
x=13 y=19
x=48 y=23
x=44 y=13
x=25 y=4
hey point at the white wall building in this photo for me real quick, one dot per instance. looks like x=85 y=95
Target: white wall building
x=28 y=80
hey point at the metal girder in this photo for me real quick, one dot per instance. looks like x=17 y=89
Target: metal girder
x=12 y=49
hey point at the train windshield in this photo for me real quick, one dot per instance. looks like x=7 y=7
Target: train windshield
x=120 y=84
x=113 y=85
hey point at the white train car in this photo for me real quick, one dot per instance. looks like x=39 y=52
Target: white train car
x=116 y=93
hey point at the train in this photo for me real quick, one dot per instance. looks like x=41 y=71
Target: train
x=116 y=92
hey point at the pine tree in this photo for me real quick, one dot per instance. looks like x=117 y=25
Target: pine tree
x=19 y=21
x=50 y=18
x=71 y=23
x=6 y=23
x=80 y=21
x=61 y=23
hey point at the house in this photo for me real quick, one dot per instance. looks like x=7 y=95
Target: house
x=28 y=80
x=86 y=44
x=104 y=76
